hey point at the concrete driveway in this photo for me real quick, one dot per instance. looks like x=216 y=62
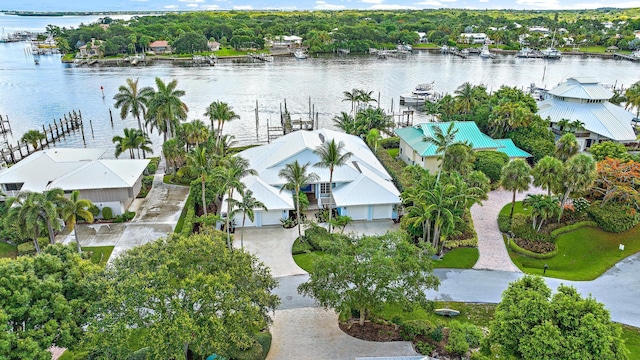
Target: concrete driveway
x=156 y=217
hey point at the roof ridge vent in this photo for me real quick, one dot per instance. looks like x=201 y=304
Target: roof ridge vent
x=355 y=163
x=321 y=137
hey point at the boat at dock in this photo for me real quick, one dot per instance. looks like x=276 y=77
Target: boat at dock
x=485 y=53
x=526 y=52
x=551 y=53
x=421 y=94
x=299 y=54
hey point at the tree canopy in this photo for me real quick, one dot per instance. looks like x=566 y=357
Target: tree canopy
x=181 y=294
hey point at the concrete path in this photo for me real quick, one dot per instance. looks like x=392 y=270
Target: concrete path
x=493 y=253
x=156 y=217
x=313 y=333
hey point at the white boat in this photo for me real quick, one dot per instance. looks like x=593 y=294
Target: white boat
x=299 y=54
x=551 y=53
x=526 y=52
x=421 y=94
x=485 y=54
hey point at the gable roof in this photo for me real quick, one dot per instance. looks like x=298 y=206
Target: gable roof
x=159 y=43
x=72 y=169
x=509 y=148
x=361 y=191
x=270 y=196
x=603 y=118
x=467 y=132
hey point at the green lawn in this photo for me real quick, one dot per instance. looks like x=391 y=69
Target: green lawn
x=631 y=338
x=518 y=209
x=460 y=258
x=426 y=46
x=393 y=152
x=477 y=314
x=7 y=250
x=100 y=254
x=583 y=254
x=305 y=261
x=230 y=52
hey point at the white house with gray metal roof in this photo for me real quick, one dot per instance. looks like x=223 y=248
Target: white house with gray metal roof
x=106 y=182
x=584 y=100
x=362 y=188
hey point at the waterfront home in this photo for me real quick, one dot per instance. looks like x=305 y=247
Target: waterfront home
x=362 y=188
x=582 y=100
x=91 y=48
x=160 y=47
x=473 y=38
x=106 y=182
x=415 y=150
x=213 y=45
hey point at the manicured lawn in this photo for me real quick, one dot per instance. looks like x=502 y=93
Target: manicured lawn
x=230 y=52
x=460 y=258
x=393 y=152
x=518 y=209
x=631 y=338
x=583 y=254
x=426 y=46
x=100 y=254
x=477 y=314
x=305 y=261
x=7 y=250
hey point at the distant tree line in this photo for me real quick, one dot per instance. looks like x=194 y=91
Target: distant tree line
x=358 y=30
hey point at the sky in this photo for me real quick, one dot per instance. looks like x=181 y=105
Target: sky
x=184 y=5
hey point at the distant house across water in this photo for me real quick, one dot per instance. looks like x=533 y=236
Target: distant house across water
x=160 y=47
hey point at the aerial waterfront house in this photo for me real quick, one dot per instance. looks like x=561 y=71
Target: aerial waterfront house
x=362 y=188
x=106 y=182
x=584 y=100
x=414 y=150
x=91 y=48
x=160 y=47
x=473 y=38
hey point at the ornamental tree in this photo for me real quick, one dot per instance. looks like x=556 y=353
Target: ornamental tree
x=365 y=273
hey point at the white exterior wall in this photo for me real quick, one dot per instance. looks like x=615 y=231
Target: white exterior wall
x=116 y=207
x=247 y=222
x=271 y=217
x=382 y=211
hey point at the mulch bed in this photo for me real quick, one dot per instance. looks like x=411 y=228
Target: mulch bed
x=371 y=331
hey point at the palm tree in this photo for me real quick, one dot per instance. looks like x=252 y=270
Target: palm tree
x=247 y=205
x=564 y=125
x=34 y=210
x=633 y=98
x=516 y=176
x=344 y=122
x=133 y=139
x=364 y=96
x=447 y=107
x=174 y=153
x=331 y=155
x=566 y=147
x=229 y=176
x=130 y=99
x=509 y=115
x=24 y=212
x=372 y=139
x=371 y=118
x=165 y=109
x=442 y=141
x=543 y=207
x=352 y=97
x=74 y=208
x=547 y=172
x=578 y=175
x=195 y=132
x=220 y=112
x=296 y=177
x=577 y=125
x=33 y=138
x=465 y=97
x=199 y=164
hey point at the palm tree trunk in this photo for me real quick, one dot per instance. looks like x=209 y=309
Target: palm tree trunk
x=204 y=205
x=363 y=314
x=228 y=219
x=424 y=231
x=52 y=239
x=330 y=197
x=75 y=234
x=244 y=218
x=513 y=204
x=298 y=214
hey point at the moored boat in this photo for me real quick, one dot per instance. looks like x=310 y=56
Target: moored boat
x=421 y=94
x=299 y=54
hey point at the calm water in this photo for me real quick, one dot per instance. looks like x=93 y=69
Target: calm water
x=33 y=95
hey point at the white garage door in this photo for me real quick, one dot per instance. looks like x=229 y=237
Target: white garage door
x=271 y=217
x=381 y=212
x=358 y=212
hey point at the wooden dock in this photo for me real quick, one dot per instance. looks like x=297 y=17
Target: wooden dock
x=626 y=57
x=54 y=132
x=5 y=125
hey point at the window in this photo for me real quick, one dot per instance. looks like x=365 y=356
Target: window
x=13 y=187
x=324 y=189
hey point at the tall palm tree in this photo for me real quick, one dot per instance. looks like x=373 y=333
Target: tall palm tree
x=442 y=141
x=633 y=98
x=578 y=175
x=194 y=132
x=247 y=205
x=133 y=139
x=344 y=122
x=516 y=176
x=373 y=136
x=567 y=146
x=220 y=112
x=564 y=125
x=296 y=177
x=547 y=172
x=73 y=208
x=351 y=97
x=165 y=109
x=199 y=163
x=331 y=155
x=364 y=96
x=25 y=214
x=131 y=100
x=33 y=138
x=229 y=177
x=509 y=115
x=543 y=207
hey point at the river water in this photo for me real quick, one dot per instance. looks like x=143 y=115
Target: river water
x=32 y=95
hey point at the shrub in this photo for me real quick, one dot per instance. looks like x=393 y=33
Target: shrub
x=316 y=236
x=504 y=223
x=288 y=223
x=301 y=247
x=580 y=205
x=389 y=143
x=152 y=167
x=538 y=247
x=129 y=215
x=94 y=210
x=457 y=341
x=107 y=213
x=252 y=353
x=491 y=163
x=437 y=335
x=413 y=328
x=453 y=244
x=28 y=248
x=515 y=248
x=424 y=348
x=394 y=167
x=614 y=217
x=187 y=224
x=522 y=227
x=569 y=228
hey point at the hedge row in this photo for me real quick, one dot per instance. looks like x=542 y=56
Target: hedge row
x=452 y=244
x=187 y=225
x=189 y=204
x=569 y=228
x=394 y=167
x=612 y=217
x=515 y=248
x=27 y=248
x=389 y=143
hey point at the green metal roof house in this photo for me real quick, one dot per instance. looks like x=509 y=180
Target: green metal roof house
x=414 y=150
